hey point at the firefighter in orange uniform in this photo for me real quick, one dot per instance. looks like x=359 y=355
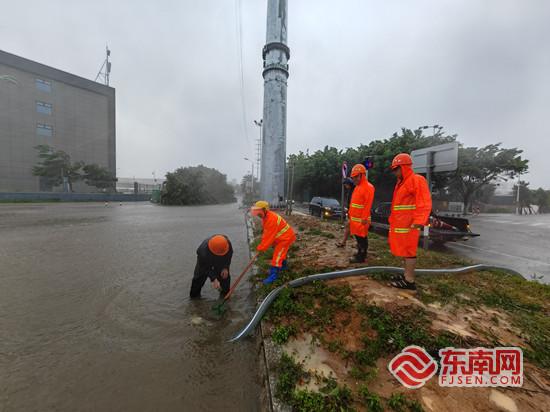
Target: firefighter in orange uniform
x=410 y=212
x=359 y=211
x=277 y=232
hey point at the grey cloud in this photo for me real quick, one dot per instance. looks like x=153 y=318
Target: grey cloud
x=359 y=70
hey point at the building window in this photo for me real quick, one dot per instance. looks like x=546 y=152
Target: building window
x=43 y=85
x=44 y=130
x=44 y=108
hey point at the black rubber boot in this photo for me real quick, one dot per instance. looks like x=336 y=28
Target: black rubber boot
x=403 y=284
x=357 y=259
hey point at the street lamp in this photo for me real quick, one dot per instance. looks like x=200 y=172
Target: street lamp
x=252 y=177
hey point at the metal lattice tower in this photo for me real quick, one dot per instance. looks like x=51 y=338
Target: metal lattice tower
x=275 y=55
x=105 y=70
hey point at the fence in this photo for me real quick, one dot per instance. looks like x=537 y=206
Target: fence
x=73 y=197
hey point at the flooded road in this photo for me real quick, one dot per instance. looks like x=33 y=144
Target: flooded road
x=518 y=242
x=95 y=314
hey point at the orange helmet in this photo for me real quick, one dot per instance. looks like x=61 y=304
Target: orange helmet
x=358 y=169
x=401 y=159
x=218 y=245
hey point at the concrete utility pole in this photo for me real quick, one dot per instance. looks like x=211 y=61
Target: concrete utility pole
x=276 y=55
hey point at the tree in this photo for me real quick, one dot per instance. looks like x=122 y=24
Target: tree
x=319 y=174
x=55 y=165
x=195 y=186
x=98 y=176
x=485 y=194
x=250 y=195
x=525 y=196
x=541 y=198
x=477 y=167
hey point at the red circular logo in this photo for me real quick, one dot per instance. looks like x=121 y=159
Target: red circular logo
x=413 y=367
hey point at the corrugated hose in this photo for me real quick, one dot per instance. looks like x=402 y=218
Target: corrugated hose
x=270 y=298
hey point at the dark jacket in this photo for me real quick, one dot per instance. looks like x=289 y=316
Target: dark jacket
x=211 y=263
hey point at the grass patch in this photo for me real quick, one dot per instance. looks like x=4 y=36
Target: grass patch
x=372 y=401
x=282 y=333
x=331 y=397
x=363 y=374
x=396 y=330
x=314 y=231
x=289 y=374
x=313 y=305
x=397 y=402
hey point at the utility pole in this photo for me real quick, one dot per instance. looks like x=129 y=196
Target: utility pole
x=251 y=176
x=290 y=188
x=275 y=73
x=259 y=123
x=519 y=211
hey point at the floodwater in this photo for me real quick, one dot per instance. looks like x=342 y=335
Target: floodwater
x=95 y=314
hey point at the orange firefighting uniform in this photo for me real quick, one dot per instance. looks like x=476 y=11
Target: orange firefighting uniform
x=411 y=205
x=360 y=207
x=278 y=233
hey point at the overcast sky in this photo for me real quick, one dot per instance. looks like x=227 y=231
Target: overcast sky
x=359 y=70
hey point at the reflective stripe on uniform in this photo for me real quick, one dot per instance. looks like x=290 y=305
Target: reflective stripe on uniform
x=357 y=206
x=356 y=219
x=404 y=207
x=278 y=258
x=401 y=230
x=283 y=230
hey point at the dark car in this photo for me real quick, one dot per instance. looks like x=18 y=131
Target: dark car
x=325 y=208
x=442 y=228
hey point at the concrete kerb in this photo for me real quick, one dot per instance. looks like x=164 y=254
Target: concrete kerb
x=269 y=353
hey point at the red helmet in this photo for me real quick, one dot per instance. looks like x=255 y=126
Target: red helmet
x=358 y=169
x=401 y=159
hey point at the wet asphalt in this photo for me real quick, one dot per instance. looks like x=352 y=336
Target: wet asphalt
x=95 y=314
x=521 y=243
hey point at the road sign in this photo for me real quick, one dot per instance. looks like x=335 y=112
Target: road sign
x=368 y=163
x=441 y=158
x=344 y=169
x=434 y=159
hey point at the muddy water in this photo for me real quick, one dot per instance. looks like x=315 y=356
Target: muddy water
x=95 y=315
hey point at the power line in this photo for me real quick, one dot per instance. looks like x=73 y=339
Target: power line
x=239 y=32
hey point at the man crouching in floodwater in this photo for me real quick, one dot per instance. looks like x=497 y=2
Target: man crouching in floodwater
x=213 y=260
